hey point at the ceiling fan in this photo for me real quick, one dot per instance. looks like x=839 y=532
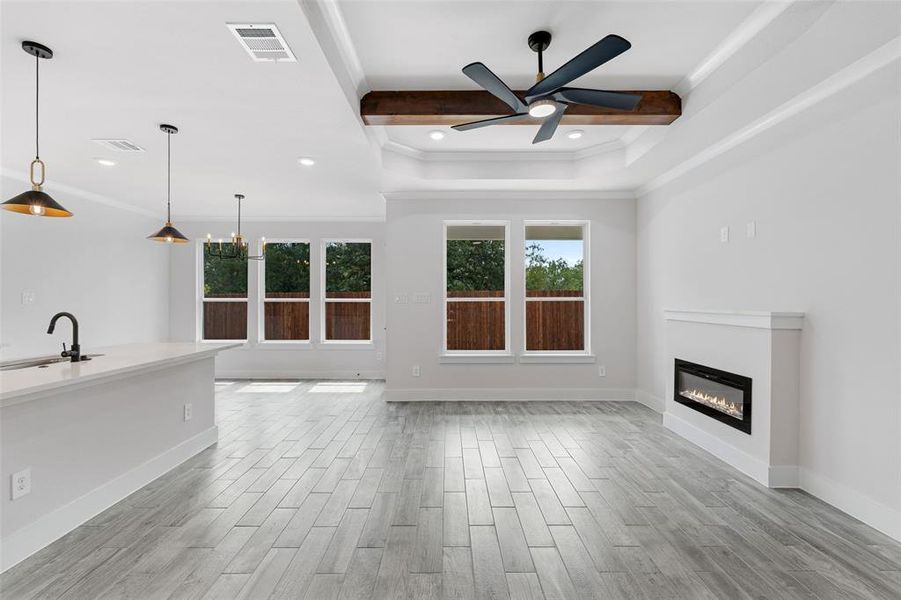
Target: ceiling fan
x=549 y=98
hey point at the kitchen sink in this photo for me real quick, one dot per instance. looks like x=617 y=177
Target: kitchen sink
x=43 y=362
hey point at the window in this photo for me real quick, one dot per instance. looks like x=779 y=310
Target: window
x=555 y=287
x=286 y=291
x=348 y=291
x=476 y=287
x=224 y=297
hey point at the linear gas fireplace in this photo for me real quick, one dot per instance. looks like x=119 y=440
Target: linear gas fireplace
x=724 y=396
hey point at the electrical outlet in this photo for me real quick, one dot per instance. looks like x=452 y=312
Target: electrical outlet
x=724 y=233
x=602 y=371
x=416 y=371
x=20 y=483
x=378 y=356
x=189 y=411
x=751 y=229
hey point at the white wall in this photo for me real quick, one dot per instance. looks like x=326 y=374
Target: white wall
x=414 y=258
x=282 y=360
x=97 y=265
x=824 y=193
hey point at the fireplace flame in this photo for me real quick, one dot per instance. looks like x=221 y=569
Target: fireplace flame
x=718 y=402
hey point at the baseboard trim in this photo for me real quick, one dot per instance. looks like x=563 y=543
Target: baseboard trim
x=860 y=506
x=24 y=542
x=296 y=374
x=650 y=400
x=508 y=394
x=783 y=476
x=752 y=467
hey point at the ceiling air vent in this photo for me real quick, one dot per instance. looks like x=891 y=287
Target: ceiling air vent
x=119 y=145
x=263 y=42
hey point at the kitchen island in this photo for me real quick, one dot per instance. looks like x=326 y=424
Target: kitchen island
x=90 y=433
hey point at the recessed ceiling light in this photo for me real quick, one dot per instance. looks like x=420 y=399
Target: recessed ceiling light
x=576 y=134
x=105 y=162
x=306 y=161
x=436 y=135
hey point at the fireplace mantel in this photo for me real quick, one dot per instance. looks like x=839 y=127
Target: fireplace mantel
x=739 y=318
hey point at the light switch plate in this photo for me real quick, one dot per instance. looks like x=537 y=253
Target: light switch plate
x=28 y=297
x=401 y=299
x=422 y=298
x=189 y=411
x=724 y=234
x=602 y=371
x=416 y=371
x=751 y=229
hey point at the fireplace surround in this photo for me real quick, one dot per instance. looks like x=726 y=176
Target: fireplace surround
x=718 y=394
x=761 y=346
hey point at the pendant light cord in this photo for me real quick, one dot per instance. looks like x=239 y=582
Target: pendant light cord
x=168 y=177
x=37 y=94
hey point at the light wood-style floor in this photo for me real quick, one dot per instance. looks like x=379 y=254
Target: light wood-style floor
x=324 y=491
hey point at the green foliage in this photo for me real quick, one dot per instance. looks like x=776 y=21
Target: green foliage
x=224 y=278
x=287 y=268
x=475 y=265
x=348 y=267
x=544 y=274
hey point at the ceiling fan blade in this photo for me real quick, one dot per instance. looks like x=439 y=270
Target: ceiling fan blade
x=608 y=48
x=617 y=100
x=547 y=129
x=487 y=122
x=493 y=84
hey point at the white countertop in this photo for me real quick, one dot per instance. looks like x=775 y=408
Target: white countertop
x=117 y=361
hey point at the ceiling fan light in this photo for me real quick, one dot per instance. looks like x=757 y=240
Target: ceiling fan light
x=542 y=108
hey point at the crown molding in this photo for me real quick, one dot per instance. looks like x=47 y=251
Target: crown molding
x=835 y=83
x=280 y=219
x=746 y=31
x=63 y=190
x=553 y=195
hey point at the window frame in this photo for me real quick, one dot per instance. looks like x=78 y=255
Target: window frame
x=261 y=296
x=201 y=299
x=323 y=292
x=487 y=355
x=585 y=298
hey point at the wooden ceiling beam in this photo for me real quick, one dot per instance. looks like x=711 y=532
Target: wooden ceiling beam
x=444 y=108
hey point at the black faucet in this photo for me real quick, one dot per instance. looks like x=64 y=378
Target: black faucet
x=75 y=351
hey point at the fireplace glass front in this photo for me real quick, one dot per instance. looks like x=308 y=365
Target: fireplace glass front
x=719 y=394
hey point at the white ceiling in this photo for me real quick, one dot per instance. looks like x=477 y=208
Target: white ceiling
x=424 y=44
x=122 y=67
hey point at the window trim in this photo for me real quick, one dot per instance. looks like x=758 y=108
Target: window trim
x=536 y=356
x=323 y=245
x=200 y=298
x=489 y=355
x=261 y=297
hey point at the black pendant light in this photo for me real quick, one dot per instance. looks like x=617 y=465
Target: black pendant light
x=168 y=234
x=36 y=202
x=238 y=250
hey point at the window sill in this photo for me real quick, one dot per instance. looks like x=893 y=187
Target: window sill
x=471 y=359
x=556 y=358
x=346 y=345
x=284 y=345
x=243 y=343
